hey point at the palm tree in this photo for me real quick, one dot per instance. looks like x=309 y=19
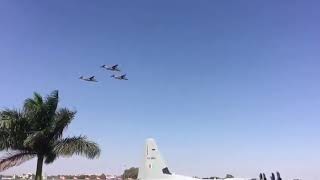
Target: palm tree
x=36 y=131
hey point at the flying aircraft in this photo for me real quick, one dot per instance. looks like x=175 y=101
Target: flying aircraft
x=111 y=68
x=155 y=168
x=122 y=77
x=91 y=79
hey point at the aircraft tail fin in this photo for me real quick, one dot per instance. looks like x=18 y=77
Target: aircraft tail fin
x=153 y=166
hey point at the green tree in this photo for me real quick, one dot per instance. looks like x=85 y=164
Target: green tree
x=103 y=176
x=229 y=176
x=131 y=173
x=36 y=130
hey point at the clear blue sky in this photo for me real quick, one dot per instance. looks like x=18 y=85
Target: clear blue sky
x=223 y=86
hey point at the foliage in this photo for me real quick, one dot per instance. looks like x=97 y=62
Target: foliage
x=103 y=176
x=36 y=131
x=229 y=176
x=131 y=173
x=212 y=177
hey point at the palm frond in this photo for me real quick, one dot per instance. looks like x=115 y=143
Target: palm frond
x=13 y=129
x=34 y=103
x=52 y=103
x=41 y=111
x=12 y=142
x=10 y=113
x=9 y=117
x=5 y=141
x=77 y=145
x=34 y=138
x=33 y=110
x=29 y=104
x=38 y=98
x=62 y=119
x=50 y=157
x=15 y=159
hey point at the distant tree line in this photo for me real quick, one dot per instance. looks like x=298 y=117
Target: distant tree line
x=215 y=177
x=102 y=176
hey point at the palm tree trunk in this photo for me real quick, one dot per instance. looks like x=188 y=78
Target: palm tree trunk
x=39 y=167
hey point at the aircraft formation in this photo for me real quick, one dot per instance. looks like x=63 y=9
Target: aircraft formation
x=112 y=68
